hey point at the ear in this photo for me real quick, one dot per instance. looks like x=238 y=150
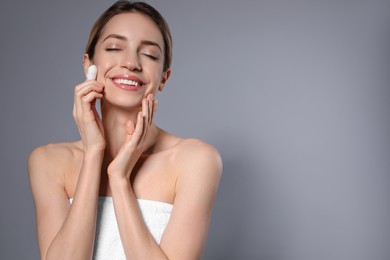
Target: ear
x=164 y=79
x=86 y=63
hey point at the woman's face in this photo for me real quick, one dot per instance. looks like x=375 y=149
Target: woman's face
x=129 y=56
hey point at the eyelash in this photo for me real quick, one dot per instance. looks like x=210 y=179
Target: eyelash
x=151 y=57
x=147 y=55
x=112 y=49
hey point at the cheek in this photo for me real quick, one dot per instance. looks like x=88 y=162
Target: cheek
x=157 y=73
x=103 y=64
x=157 y=78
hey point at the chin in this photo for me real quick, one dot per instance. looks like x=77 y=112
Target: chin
x=123 y=102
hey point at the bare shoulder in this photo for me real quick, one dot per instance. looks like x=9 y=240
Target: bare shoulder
x=52 y=160
x=55 y=153
x=55 y=150
x=193 y=147
x=198 y=155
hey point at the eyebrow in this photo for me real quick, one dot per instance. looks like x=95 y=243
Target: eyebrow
x=116 y=36
x=124 y=38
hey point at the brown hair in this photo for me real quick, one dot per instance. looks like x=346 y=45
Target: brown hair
x=139 y=7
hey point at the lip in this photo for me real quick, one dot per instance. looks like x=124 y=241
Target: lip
x=125 y=86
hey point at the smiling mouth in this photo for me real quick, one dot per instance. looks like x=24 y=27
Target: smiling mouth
x=127 y=82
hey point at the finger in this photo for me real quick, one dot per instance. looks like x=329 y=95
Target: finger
x=132 y=135
x=85 y=89
x=146 y=118
x=88 y=104
x=144 y=107
x=130 y=127
x=150 y=108
x=97 y=117
x=82 y=90
x=74 y=110
x=155 y=102
x=77 y=105
x=90 y=97
x=139 y=129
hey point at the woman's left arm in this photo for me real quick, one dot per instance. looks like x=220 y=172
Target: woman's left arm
x=200 y=169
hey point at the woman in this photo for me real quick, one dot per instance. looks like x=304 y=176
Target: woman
x=127 y=189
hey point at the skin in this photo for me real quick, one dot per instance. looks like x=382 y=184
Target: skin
x=123 y=155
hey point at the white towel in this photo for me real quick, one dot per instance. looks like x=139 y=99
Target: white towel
x=108 y=244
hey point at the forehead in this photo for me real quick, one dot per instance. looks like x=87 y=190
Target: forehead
x=133 y=26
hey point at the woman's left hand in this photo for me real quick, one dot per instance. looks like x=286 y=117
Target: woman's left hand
x=122 y=165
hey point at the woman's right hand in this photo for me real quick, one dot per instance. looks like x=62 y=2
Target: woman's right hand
x=87 y=119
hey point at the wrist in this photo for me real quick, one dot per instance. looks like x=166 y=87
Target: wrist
x=93 y=151
x=93 y=155
x=119 y=182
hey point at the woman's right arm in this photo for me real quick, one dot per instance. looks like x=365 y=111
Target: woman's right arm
x=64 y=232
x=68 y=232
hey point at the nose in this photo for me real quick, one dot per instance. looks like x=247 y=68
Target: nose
x=131 y=62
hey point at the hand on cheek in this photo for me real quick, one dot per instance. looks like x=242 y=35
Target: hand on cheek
x=134 y=145
x=85 y=114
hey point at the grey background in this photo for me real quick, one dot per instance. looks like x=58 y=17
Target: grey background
x=294 y=94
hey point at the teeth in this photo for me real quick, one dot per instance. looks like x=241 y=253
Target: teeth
x=127 y=82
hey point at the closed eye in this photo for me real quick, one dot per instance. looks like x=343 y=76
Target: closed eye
x=151 y=56
x=112 y=49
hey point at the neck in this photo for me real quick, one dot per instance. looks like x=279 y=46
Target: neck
x=114 y=121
